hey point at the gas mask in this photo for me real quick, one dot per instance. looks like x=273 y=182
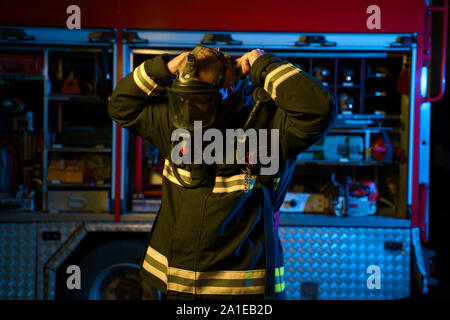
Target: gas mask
x=194 y=100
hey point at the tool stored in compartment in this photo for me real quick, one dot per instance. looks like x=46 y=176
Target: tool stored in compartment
x=336 y=148
x=296 y=202
x=354 y=199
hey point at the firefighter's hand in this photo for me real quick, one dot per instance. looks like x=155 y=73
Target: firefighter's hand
x=174 y=65
x=246 y=61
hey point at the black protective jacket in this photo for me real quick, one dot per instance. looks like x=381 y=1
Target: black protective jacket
x=217 y=239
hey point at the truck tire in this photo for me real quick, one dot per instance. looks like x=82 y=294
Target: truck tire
x=111 y=272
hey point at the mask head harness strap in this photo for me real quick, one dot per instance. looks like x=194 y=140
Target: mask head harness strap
x=191 y=66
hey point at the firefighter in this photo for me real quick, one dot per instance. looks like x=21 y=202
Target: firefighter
x=215 y=235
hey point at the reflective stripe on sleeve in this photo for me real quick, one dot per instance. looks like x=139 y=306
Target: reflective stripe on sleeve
x=277 y=76
x=144 y=82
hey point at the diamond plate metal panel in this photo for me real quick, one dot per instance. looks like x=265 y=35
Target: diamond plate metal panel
x=47 y=248
x=17 y=261
x=336 y=259
x=74 y=236
x=119 y=227
x=51 y=266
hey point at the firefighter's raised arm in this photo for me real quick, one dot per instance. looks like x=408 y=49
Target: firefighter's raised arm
x=136 y=102
x=306 y=109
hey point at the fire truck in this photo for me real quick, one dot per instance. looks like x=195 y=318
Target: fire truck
x=80 y=193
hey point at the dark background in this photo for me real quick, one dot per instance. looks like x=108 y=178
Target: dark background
x=439 y=219
x=440 y=179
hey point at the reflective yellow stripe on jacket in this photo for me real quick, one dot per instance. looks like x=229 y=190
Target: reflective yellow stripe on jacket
x=233 y=183
x=221 y=184
x=279 y=279
x=144 y=82
x=211 y=282
x=168 y=173
x=277 y=76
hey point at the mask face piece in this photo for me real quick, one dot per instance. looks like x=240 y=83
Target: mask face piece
x=194 y=100
x=187 y=107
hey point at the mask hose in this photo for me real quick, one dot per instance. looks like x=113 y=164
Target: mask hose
x=180 y=180
x=251 y=116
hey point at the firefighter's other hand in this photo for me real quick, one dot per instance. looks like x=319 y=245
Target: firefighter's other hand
x=246 y=61
x=174 y=64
